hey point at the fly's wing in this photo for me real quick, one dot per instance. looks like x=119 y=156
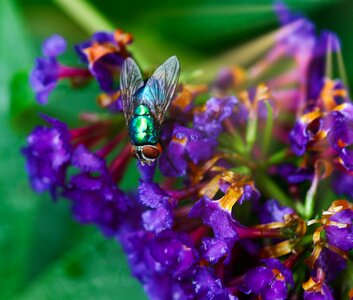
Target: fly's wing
x=130 y=81
x=160 y=88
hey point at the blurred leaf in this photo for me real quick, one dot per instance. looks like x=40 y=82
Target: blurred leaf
x=15 y=51
x=21 y=95
x=205 y=25
x=90 y=271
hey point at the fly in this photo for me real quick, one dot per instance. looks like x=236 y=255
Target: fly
x=145 y=105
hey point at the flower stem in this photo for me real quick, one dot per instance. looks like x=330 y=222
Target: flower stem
x=70 y=72
x=278 y=157
x=310 y=197
x=86 y=15
x=268 y=129
x=255 y=232
x=272 y=190
x=251 y=131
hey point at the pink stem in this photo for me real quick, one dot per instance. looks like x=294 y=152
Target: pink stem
x=69 y=72
x=112 y=144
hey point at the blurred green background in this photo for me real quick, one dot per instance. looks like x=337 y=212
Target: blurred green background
x=43 y=253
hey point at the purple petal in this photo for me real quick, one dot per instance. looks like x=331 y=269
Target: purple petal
x=54 y=46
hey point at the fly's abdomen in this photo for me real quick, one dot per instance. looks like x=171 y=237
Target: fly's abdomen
x=142 y=127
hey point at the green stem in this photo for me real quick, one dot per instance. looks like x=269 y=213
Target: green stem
x=268 y=129
x=328 y=67
x=238 y=143
x=251 y=131
x=306 y=240
x=310 y=197
x=342 y=69
x=277 y=158
x=272 y=190
x=86 y=15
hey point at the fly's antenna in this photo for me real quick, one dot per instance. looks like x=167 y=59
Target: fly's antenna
x=164 y=148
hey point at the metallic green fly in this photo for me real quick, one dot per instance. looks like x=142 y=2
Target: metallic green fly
x=145 y=105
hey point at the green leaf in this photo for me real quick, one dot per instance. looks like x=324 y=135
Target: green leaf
x=15 y=52
x=21 y=95
x=90 y=271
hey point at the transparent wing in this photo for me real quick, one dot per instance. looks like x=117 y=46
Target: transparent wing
x=130 y=81
x=160 y=88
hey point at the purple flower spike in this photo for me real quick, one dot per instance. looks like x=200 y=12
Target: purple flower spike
x=151 y=195
x=208 y=287
x=161 y=216
x=273 y=212
x=48 y=154
x=224 y=227
x=217 y=110
x=95 y=198
x=174 y=252
x=157 y=220
x=187 y=144
x=269 y=281
x=45 y=74
x=213 y=249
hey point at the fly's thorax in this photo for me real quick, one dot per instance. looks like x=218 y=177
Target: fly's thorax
x=142 y=127
x=142 y=110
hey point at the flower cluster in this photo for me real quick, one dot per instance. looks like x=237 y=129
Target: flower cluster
x=240 y=209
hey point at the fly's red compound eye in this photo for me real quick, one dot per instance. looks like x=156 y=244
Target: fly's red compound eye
x=150 y=152
x=133 y=151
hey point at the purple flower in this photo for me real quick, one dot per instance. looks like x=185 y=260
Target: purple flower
x=225 y=79
x=327 y=42
x=250 y=193
x=174 y=252
x=342 y=184
x=300 y=41
x=323 y=293
x=95 y=197
x=331 y=263
x=151 y=195
x=272 y=211
x=217 y=110
x=45 y=74
x=134 y=239
x=213 y=249
x=223 y=225
x=146 y=171
x=161 y=216
x=187 y=144
x=208 y=287
x=164 y=286
x=304 y=131
x=269 y=281
x=48 y=154
x=316 y=288
x=340 y=233
x=105 y=53
x=340 y=136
